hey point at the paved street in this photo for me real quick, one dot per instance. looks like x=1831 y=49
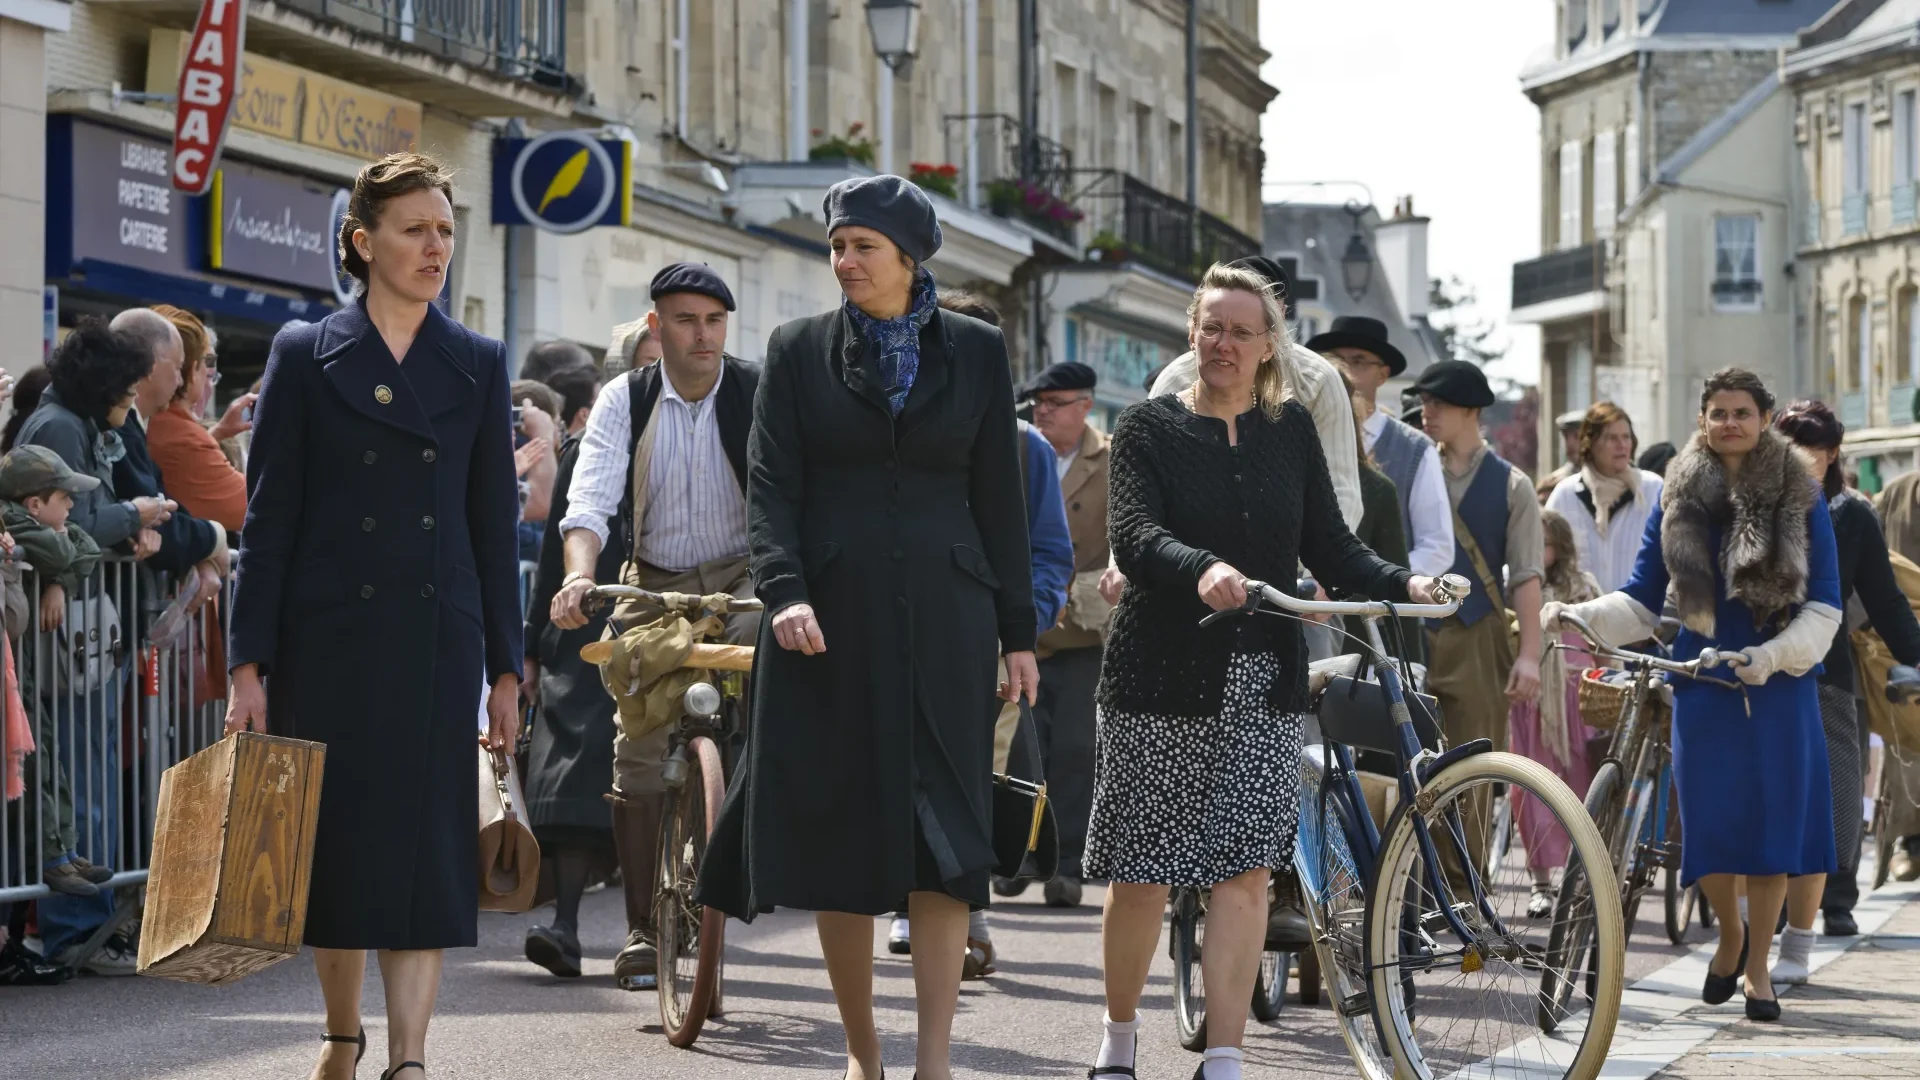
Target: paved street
x=1039 y=1017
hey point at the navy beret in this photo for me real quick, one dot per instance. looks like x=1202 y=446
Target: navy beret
x=1067 y=375
x=896 y=209
x=1456 y=382
x=690 y=277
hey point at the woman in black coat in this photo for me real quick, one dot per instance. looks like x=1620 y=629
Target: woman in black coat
x=888 y=530
x=378 y=595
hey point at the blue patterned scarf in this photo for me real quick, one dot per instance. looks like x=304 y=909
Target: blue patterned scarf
x=896 y=341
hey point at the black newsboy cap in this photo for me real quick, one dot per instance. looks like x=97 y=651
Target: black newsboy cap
x=691 y=277
x=896 y=209
x=1456 y=382
x=1067 y=375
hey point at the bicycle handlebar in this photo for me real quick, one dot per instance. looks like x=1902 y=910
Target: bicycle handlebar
x=1708 y=658
x=1452 y=588
x=672 y=601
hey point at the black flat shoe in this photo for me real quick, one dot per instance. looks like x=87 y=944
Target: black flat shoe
x=359 y=1041
x=1719 y=988
x=558 y=952
x=1841 y=924
x=1764 y=1010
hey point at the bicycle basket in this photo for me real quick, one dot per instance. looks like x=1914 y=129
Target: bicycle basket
x=1357 y=713
x=1603 y=697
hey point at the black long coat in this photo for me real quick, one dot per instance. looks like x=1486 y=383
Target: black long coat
x=909 y=538
x=377 y=589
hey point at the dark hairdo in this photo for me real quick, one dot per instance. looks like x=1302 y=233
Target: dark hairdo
x=1732 y=379
x=96 y=368
x=389 y=178
x=577 y=388
x=1812 y=424
x=26 y=398
x=1593 y=425
x=548 y=357
x=1656 y=457
x=973 y=305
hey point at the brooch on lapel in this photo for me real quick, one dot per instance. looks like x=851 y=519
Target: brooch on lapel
x=383 y=395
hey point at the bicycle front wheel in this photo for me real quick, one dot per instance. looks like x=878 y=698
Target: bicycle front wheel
x=689 y=936
x=1448 y=1004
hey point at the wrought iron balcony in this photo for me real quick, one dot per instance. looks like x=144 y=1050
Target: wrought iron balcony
x=1019 y=173
x=1130 y=220
x=1574 y=272
x=1853 y=214
x=516 y=39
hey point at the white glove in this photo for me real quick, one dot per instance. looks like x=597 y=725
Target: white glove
x=1550 y=616
x=1616 y=617
x=1794 y=650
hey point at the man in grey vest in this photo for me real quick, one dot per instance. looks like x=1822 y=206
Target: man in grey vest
x=1360 y=347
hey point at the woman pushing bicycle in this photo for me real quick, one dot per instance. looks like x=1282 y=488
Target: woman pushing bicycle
x=1200 y=729
x=1747 y=545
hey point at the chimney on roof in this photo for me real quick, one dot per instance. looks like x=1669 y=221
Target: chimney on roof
x=1402 y=243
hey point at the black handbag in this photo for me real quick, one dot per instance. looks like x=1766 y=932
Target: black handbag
x=1026 y=835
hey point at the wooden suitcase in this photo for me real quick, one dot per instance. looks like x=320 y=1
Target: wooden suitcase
x=232 y=856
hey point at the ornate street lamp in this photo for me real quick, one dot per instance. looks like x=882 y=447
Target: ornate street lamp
x=895 y=26
x=1356 y=265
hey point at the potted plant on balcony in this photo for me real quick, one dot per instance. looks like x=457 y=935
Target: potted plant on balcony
x=1031 y=201
x=853 y=146
x=1106 y=247
x=938 y=179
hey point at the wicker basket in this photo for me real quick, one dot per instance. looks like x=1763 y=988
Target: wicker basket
x=1601 y=703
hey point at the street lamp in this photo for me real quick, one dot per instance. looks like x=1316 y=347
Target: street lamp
x=895 y=26
x=1356 y=265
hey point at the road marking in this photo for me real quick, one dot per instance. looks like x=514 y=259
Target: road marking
x=1812 y=1051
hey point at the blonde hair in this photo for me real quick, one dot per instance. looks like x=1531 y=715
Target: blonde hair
x=1272 y=386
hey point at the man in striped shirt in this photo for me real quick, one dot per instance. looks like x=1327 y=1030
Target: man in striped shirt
x=662 y=471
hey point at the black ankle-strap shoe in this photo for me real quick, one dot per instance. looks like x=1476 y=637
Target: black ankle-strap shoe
x=359 y=1041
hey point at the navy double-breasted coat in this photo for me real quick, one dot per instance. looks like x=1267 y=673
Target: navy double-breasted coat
x=377 y=588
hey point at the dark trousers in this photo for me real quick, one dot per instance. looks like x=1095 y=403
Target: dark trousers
x=1840 y=722
x=1064 y=721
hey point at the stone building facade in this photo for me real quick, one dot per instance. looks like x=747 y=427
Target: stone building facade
x=1854 y=79
x=1628 y=88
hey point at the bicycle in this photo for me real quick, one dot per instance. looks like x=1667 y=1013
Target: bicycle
x=1632 y=811
x=1426 y=975
x=690 y=938
x=1903 y=687
x=1186 y=931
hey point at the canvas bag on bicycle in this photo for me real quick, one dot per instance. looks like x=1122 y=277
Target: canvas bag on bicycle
x=645 y=675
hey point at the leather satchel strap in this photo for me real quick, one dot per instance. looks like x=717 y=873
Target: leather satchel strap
x=1479 y=561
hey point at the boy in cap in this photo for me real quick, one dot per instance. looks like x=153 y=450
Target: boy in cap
x=36 y=496
x=1471 y=666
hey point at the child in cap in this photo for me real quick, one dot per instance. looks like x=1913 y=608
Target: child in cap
x=36 y=495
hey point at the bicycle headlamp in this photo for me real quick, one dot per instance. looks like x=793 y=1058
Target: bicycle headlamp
x=701 y=699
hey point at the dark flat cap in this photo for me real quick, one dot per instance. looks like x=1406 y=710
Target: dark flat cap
x=691 y=277
x=1067 y=375
x=896 y=209
x=1360 y=332
x=1456 y=382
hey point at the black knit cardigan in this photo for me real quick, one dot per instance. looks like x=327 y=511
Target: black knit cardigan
x=1180 y=499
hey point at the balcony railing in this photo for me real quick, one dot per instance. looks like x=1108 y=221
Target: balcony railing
x=1130 y=220
x=518 y=39
x=1903 y=205
x=1853 y=409
x=1020 y=173
x=1853 y=214
x=1574 y=272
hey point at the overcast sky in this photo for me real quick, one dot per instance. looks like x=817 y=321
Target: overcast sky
x=1416 y=97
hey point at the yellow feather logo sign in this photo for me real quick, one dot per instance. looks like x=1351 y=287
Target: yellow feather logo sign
x=565 y=180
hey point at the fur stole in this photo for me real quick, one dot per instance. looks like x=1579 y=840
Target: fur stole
x=1763 y=522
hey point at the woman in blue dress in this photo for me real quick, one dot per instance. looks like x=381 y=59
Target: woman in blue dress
x=1746 y=550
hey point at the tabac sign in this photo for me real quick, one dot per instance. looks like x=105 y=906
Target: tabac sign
x=209 y=81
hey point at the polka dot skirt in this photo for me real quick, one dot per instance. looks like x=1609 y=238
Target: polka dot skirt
x=1195 y=800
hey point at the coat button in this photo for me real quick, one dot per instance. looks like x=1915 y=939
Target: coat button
x=428 y=456
x=366 y=525
x=427 y=522
x=426 y=592
x=369 y=457
x=366 y=592
x=1244 y=516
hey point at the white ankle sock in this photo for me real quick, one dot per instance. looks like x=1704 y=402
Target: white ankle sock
x=1796 y=946
x=1221 y=1063
x=1116 y=1043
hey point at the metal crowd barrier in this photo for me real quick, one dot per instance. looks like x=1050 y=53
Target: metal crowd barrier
x=109 y=712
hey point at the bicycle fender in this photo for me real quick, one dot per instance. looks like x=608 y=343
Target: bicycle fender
x=1458 y=753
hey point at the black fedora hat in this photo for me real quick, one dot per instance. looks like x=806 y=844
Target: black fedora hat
x=1360 y=332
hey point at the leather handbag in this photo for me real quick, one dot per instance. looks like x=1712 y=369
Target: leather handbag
x=1026 y=834
x=509 y=855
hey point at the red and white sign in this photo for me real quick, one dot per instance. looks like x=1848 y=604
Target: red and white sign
x=209 y=82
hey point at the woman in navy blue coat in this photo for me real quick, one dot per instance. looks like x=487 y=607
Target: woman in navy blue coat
x=377 y=595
